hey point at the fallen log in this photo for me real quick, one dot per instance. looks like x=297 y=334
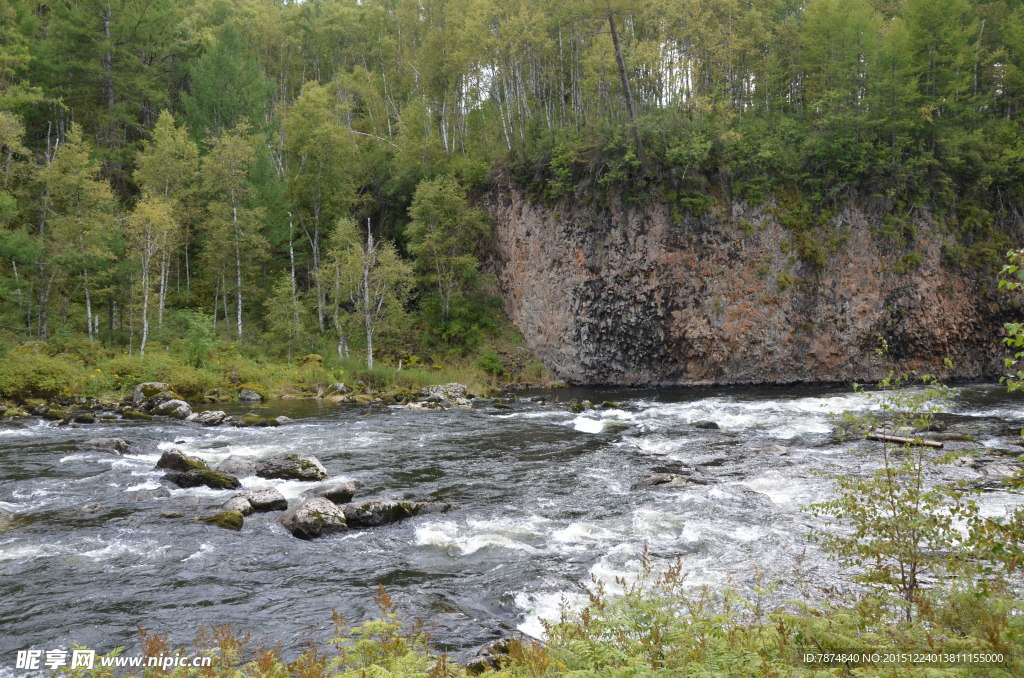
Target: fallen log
x=883 y=438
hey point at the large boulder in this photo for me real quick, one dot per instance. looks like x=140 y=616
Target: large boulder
x=176 y=460
x=314 y=518
x=216 y=480
x=238 y=466
x=291 y=466
x=147 y=390
x=339 y=493
x=246 y=395
x=109 y=445
x=255 y=420
x=240 y=504
x=257 y=501
x=173 y=407
x=386 y=511
x=209 y=417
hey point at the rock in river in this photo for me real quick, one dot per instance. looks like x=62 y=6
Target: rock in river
x=238 y=466
x=385 y=512
x=147 y=390
x=249 y=396
x=109 y=445
x=339 y=493
x=178 y=409
x=314 y=518
x=209 y=417
x=216 y=480
x=257 y=501
x=176 y=460
x=291 y=466
x=229 y=520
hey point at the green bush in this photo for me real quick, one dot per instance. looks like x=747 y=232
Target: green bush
x=28 y=372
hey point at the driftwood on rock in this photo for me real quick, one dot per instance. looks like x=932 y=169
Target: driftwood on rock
x=884 y=438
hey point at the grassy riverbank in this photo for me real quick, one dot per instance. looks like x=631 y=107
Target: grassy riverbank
x=661 y=628
x=216 y=371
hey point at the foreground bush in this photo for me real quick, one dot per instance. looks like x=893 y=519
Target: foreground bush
x=28 y=372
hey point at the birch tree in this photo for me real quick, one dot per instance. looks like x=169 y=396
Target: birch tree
x=370 y=284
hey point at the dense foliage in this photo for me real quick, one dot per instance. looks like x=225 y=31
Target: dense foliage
x=202 y=154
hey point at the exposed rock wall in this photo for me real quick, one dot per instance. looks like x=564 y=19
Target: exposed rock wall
x=633 y=297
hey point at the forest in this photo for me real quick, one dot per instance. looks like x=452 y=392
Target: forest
x=303 y=176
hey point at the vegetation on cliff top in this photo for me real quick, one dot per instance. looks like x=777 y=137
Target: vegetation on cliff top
x=286 y=168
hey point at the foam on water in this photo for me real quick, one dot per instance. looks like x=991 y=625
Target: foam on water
x=203 y=550
x=784 y=419
x=545 y=605
x=585 y=424
x=782 y=490
x=17 y=550
x=460 y=539
x=148 y=485
x=584 y=534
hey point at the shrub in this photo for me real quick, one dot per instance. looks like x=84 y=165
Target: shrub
x=27 y=372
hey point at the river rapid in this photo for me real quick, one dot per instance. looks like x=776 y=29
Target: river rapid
x=543 y=503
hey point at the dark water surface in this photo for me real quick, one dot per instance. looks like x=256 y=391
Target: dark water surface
x=543 y=503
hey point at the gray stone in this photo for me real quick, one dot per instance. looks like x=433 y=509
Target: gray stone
x=283 y=420
x=238 y=466
x=267 y=499
x=209 y=417
x=339 y=493
x=108 y=445
x=291 y=466
x=177 y=409
x=314 y=518
x=238 y=503
x=386 y=511
x=147 y=390
x=707 y=425
x=249 y=396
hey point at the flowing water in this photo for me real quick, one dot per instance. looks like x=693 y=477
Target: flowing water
x=543 y=496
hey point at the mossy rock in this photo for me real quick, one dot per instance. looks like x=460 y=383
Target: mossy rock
x=229 y=520
x=15 y=413
x=312 y=359
x=217 y=480
x=54 y=414
x=135 y=415
x=292 y=466
x=151 y=389
x=176 y=460
x=255 y=420
x=501 y=406
x=385 y=512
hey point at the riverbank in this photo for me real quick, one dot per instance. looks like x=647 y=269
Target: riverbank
x=80 y=373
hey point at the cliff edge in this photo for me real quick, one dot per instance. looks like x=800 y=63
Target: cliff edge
x=638 y=295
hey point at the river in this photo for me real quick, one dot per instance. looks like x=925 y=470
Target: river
x=543 y=502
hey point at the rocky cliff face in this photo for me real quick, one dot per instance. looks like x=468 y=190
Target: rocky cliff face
x=635 y=297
